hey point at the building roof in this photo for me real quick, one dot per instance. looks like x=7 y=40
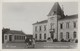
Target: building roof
x=56 y=9
x=15 y=32
x=44 y=21
x=70 y=17
x=64 y=18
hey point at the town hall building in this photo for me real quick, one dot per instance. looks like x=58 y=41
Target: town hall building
x=57 y=26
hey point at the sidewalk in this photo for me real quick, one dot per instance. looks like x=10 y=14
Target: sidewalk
x=41 y=45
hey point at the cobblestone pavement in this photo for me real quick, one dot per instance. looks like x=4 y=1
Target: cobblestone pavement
x=41 y=45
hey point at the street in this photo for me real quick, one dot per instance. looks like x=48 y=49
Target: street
x=41 y=45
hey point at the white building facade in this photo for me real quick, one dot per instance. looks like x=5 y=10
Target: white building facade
x=58 y=26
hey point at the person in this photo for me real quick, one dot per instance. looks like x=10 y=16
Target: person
x=27 y=41
x=30 y=42
x=33 y=42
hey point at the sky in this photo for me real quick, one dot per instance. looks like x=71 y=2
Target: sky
x=21 y=15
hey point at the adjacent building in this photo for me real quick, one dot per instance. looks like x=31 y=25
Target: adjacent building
x=14 y=36
x=57 y=26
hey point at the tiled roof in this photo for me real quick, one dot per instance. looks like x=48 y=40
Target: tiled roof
x=70 y=17
x=44 y=21
x=15 y=32
x=56 y=9
x=65 y=18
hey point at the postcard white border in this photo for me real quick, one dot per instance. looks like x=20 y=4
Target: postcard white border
x=39 y=49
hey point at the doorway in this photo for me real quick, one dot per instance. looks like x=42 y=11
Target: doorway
x=52 y=35
x=10 y=37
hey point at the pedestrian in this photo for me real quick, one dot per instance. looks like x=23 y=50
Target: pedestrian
x=33 y=42
x=27 y=41
x=30 y=41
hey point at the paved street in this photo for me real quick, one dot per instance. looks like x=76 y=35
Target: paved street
x=41 y=45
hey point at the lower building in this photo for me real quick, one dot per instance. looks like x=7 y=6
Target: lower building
x=14 y=36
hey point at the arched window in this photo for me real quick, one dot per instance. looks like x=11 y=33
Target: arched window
x=40 y=36
x=40 y=28
x=67 y=25
x=74 y=34
x=36 y=28
x=36 y=36
x=44 y=27
x=74 y=24
x=67 y=35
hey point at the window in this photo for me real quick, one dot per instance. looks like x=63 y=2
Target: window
x=67 y=25
x=40 y=36
x=36 y=36
x=45 y=36
x=61 y=35
x=5 y=37
x=15 y=37
x=24 y=37
x=44 y=27
x=74 y=24
x=20 y=37
x=51 y=25
x=40 y=28
x=36 y=28
x=74 y=34
x=61 y=26
x=67 y=35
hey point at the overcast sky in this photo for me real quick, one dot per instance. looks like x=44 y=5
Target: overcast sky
x=21 y=16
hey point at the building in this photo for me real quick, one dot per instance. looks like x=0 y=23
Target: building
x=58 y=26
x=4 y=30
x=29 y=36
x=14 y=36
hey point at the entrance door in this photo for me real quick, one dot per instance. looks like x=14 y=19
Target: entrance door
x=61 y=35
x=67 y=35
x=10 y=37
x=52 y=35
